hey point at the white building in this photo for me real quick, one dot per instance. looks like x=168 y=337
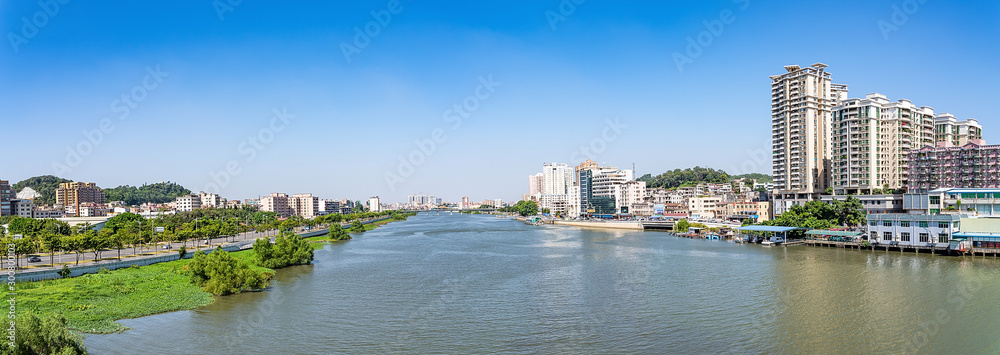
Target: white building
x=705 y=206
x=872 y=140
x=802 y=100
x=304 y=205
x=187 y=203
x=954 y=133
x=557 y=185
x=210 y=200
x=912 y=229
x=374 y=205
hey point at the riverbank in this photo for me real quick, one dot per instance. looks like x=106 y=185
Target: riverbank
x=630 y=225
x=93 y=303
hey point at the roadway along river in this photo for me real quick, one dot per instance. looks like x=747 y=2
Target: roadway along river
x=478 y=284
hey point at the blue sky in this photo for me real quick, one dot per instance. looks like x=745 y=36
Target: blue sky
x=559 y=75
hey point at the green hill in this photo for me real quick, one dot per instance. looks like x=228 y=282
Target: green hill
x=694 y=176
x=160 y=192
x=45 y=185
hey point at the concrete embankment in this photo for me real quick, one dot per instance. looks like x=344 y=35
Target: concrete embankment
x=601 y=224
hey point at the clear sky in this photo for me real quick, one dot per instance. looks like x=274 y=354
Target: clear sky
x=201 y=78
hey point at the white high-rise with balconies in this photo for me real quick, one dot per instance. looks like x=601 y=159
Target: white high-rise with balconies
x=872 y=140
x=801 y=137
x=557 y=185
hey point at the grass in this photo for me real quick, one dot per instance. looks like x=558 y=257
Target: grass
x=92 y=303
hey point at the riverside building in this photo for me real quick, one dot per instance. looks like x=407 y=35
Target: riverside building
x=872 y=139
x=802 y=100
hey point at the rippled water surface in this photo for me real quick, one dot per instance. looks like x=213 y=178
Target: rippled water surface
x=477 y=284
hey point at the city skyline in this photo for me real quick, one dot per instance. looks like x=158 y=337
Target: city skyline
x=340 y=115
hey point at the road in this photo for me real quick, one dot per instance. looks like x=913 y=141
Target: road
x=111 y=255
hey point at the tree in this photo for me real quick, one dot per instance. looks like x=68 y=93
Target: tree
x=682 y=226
x=122 y=221
x=221 y=274
x=43 y=335
x=52 y=242
x=357 y=227
x=286 y=251
x=338 y=233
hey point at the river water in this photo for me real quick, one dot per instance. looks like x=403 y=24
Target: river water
x=478 y=284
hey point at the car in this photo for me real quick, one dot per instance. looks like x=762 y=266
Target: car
x=34 y=259
x=167 y=246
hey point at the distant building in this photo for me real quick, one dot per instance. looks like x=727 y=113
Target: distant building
x=77 y=193
x=304 y=205
x=210 y=200
x=23 y=208
x=277 y=203
x=374 y=205
x=187 y=203
x=950 y=132
x=6 y=196
x=329 y=206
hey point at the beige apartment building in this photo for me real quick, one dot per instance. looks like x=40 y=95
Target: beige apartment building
x=76 y=193
x=950 y=132
x=277 y=203
x=802 y=100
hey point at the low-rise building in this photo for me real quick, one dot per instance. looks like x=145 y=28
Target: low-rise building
x=904 y=229
x=23 y=208
x=705 y=206
x=873 y=203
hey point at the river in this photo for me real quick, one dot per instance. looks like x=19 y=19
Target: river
x=478 y=284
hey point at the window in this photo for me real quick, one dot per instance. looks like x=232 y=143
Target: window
x=943 y=238
x=935 y=200
x=887 y=223
x=922 y=224
x=886 y=235
x=873 y=223
x=904 y=236
x=942 y=224
x=924 y=238
x=904 y=223
x=874 y=236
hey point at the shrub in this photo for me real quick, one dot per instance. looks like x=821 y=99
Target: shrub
x=103 y=270
x=43 y=335
x=182 y=251
x=338 y=233
x=65 y=272
x=290 y=250
x=357 y=227
x=222 y=274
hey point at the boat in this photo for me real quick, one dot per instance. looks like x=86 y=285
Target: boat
x=768 y=243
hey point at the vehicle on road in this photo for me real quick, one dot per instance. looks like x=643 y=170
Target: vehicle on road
x=34 y=259
x=167 y=246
